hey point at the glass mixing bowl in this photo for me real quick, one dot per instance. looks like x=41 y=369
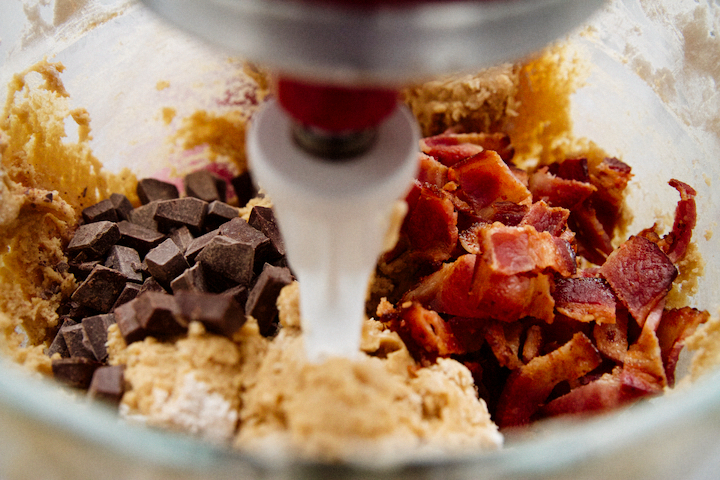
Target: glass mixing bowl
x=650 y=99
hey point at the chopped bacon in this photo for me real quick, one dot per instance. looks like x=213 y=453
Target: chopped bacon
x=431 y=171
x=546 y=218
x=640 y=274
x=511 y=297
x=585 y=299
x=611 y=338
x=469 y=332
x=533 y=343
x=431 y=224
x=450 y=148
x=643 y=367
x=610 y=177
x=428 y=330
x=484 y=179
x=504 y=341
x=571 y=169
x=675 y=326
x=594 y=242
x=528 y=387
x=557 y=191
x=509 y=213
x=675 y=243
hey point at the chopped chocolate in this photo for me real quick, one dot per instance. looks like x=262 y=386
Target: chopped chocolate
x=100 y=289
x=151 y=285
x=182 y=237
x=152 y=189
x=218 y=213
x=205 y=185
x=58 y=344
x=77 y=343
x=261 y=302
x=192 y=279
x=165 y=262
x=126 y=261
x=188 y=211
x=239 y=293
x=229 y=259
x=95 y=334
x=81 y=270
x=157 y=314
x=122 y=205
x=239 y=230
x=108 y=383
x=198 y=244
x=263 y=219
x=94 y=239
x=244 y=188
x=128 y=324
x=74 y=372
x=101 y=211
x=128 y=293
x=219 y=313
x=145 y=216
x=138 y=237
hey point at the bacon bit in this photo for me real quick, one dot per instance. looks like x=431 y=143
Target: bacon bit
x=544 y=218
x=533 y=343
x=675 y=243
x=485 y=179
x=508 y=213
x=643 y=367
x=610 y=177
x=571 y=169
x=431 y=171
x=470 y=238
x=675 y=326
x=529 y=386
x=585 y=299
x=557 y=191
x=447 y=149
x=594 y=242
x=611 y=338
x=504 y=341
x=431 y=225
x=469 y=332
x=428 y=330
x=640 y=274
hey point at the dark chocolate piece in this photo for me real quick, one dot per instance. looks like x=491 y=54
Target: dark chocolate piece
x=58 y=344
x=138 y=237
x=165 y=262
x=95 y=334
x=128 y=324
x=151 y=285
x=131 y=291
x=198 y=244
x=188 y=211
x=152 y=189
x=157 y=314
x=74 y=372
x=205 y=185
x=219 y=213
x=100 y=289
x=125 y=260
x=101 y=211
x=192 y=279
x=244 y=188
x=122 y=205
x=182 y=238
x=94 y=239
x=145 y=215
x=263 y=219
x=261 y=303
x=77 y=343
x=108 y=383
x=228 y=258
x=239 y=230
x=239 y=293
x=81 y=270
x=219 y=313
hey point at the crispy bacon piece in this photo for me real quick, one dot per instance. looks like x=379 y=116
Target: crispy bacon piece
x=431 y=224
x=504 y=341
x=643 y=367
x=571 y=169
x=484 y=179
x=509 y=298
x=557 y=191
x=427 y=329
x=528 y=387
x=675 y=243
x=533 y=343
x=450 y=148
x=675 y=326
x=431 y=171
x=594 y=242
x=611 y=338
x=640 y=274
x=509 y=213
x=546 y=218
x=610 y=177
x=585 y=299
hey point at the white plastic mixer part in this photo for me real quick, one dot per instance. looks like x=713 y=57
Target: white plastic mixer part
x=334 y=217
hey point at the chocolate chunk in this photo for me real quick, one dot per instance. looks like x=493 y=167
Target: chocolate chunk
x=198 y=244
x=192 y=279
x=165 y=262
x=152 y=189
x=239 y=293
x=145 y=216
x=157 y=313
x=244 y=188
x=101 y=211
x=100 y=289
x=126 y=261
x=219 y=213
x=188 y=211
x=77 y=343
x=81 y=270
x=151 y=285
x=219 y=313
x=108 y=383
x=261 y=303
x=131 y=291
x=205 y=185
x=74 y=372
x=138 y=237
x=239 y=230
x=228 y=258
x=263 y=219
x=94 y=239
x=95 y=334
x=128 y=324
x=122 y=205
x=182 y=238
x=58 y=344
